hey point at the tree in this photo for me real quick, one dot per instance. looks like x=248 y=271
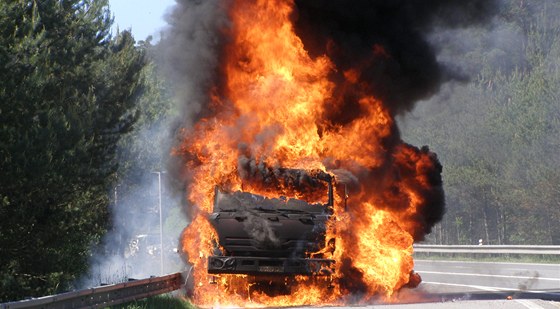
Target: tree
x=144 y=151
x=497 y=136
x=67 y=93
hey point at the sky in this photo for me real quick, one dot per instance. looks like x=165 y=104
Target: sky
x=144 y=17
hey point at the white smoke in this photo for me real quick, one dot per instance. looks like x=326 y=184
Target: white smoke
x=133 y=247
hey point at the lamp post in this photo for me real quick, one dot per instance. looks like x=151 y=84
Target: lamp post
x=160 y=223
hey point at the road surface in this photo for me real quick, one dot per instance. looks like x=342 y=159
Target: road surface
x=474 y=285
x=456 y=276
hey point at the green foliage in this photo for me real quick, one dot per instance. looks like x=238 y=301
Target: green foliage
x=140 y=151
x=145 y=150
x=163 y=301
x=497 y=137
x=67 y=92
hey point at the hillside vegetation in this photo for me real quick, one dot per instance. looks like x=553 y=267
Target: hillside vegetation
x=498 y=135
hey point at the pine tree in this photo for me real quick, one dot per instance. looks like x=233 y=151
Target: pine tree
x=67 y=93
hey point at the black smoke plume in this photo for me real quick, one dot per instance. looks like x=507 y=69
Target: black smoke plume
x=387 y=40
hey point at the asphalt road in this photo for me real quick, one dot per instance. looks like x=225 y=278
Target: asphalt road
x=463 y=277
x=467 y=304
x=475 y=285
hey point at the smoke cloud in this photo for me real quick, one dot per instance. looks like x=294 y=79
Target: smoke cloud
x=193 y=47
x=132 y=247
x=388 y=41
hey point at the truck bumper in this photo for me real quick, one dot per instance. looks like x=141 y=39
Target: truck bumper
x=269 y=266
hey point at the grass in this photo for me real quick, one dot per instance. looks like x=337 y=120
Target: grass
x=165 y=301
x=479 y=257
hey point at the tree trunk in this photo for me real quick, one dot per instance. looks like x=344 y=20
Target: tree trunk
x=485 y=217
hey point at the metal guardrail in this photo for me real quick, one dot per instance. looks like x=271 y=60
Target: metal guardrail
x=103 y=296
x=115 y=294
x=489 y=249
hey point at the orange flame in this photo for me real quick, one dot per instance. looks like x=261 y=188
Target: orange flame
x=273 y=109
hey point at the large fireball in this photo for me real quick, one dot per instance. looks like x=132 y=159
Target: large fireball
x=276 y=105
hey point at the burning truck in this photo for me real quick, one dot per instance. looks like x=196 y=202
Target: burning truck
x=259 y=236
x=286 y=100
x=274 y=240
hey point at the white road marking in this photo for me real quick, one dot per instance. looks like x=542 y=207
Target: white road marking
x=482 y=287
x=486 y=275
x=529 y=304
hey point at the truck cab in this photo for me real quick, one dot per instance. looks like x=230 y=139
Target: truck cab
x=259 y=235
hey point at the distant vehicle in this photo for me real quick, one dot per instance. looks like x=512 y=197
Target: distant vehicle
x=143 y=244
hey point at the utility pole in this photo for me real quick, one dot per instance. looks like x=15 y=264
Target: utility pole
x=160 y=224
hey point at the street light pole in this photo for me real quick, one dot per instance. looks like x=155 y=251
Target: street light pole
x=160 y=225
